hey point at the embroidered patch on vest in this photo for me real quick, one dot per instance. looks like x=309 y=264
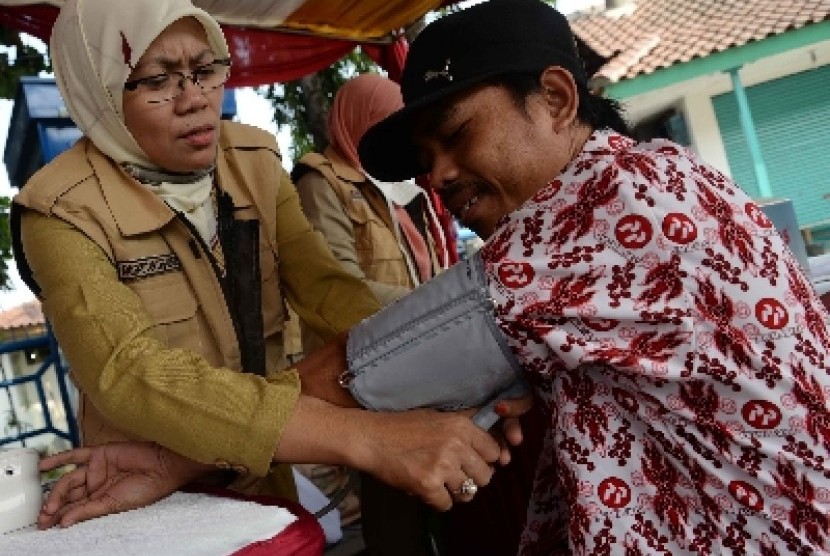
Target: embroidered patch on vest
x=148 y=266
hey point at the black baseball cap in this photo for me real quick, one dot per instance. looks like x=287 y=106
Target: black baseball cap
x=458 y=51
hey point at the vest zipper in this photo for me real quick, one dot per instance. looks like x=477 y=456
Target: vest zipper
x=198 y=246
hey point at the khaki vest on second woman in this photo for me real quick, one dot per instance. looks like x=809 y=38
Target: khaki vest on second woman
x=378 y=252
x=142 y=236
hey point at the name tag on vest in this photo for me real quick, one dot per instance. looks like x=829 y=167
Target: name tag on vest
x=148 y=266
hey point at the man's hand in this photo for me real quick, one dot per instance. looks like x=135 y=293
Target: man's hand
x=511 y=428
x=112 y=478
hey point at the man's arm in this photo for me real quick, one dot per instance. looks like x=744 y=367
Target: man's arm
x=320 y=373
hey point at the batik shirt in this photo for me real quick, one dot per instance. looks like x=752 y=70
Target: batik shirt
x=681 y=354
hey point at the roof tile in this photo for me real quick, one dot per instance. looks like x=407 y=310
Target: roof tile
x=685 y=30
x=26 y=314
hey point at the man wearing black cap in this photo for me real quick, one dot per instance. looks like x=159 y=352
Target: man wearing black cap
x=678 y=351
x=677 y=347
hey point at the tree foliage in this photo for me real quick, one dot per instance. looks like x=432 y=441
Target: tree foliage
x=303 y=104
x=27 y=61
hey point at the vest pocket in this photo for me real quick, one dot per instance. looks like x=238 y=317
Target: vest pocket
x=358 y=210
x=374 y=242
x=171 y=303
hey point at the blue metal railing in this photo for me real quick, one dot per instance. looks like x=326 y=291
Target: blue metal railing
x=53 y=360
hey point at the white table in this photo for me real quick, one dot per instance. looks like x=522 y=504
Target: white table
x=183 y=524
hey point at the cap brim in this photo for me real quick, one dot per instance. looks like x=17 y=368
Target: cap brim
x=387 y=151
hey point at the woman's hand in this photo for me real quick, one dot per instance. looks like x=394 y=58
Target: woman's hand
x=429 y=454
x=113 y=478
x=423 y=452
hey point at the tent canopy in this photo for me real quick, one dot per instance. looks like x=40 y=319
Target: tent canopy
x=274 y=41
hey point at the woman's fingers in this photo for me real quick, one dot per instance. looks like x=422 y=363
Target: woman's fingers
x=478 y=470
x=485 y=445
x=467 y=484
x=440 y=498
x=69 y=497
x=512 y=431
x=47 y=521
x=428 y=453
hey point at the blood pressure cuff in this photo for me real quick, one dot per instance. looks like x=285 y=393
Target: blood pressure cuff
x=438 y=347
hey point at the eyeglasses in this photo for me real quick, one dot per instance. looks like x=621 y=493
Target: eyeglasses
x=166 y=86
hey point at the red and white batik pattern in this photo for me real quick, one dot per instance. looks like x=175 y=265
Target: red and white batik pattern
x=681 y=354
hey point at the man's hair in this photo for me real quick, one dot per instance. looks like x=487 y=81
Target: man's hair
x=595 y=111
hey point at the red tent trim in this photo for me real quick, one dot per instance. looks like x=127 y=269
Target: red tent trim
x=260 y=56
x=263 y=57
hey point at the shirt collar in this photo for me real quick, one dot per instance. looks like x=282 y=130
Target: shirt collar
x=137 y=210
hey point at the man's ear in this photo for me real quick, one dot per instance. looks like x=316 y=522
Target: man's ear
x=561 y=96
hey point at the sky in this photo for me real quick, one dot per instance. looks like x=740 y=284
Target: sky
x=251 y=109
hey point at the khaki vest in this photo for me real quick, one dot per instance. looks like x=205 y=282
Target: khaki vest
x=378 y=252
x=156 y=254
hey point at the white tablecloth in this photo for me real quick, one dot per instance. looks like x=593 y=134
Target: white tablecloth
x=183 y=524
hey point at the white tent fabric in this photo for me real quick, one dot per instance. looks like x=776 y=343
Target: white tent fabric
x=349 y=19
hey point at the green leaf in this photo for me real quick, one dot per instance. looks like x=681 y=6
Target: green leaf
x=27 y=61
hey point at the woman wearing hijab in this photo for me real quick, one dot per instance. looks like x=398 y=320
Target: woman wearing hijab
x=388 y=235
x=163 y=246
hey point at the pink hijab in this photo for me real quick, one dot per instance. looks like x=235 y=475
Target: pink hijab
x=358 y=105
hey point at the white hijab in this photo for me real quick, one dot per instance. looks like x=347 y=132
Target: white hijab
x=95 y=44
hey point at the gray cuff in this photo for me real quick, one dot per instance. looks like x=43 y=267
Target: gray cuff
x=438 y=347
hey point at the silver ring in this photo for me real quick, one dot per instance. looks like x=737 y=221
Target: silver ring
x=468 y=488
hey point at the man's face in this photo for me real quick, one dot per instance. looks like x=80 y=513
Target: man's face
x=486 y=156
x=179 y=135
